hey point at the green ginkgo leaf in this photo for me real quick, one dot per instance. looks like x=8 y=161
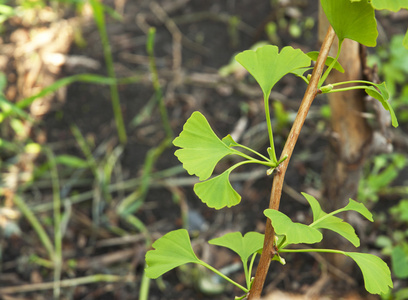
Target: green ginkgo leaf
x=393 y=5
x=295 y=233
x=171 y=250
x=377 y=275
x=382 y=95
x=382 y=87
x=339 y=226
x=352 y=20
x=229 y=141
x=268 y=66
x=360 y=208
x=314 y=54
x=201 y=148
x=244 y=246
x=299 y=72
x=317 y=211
x=217 y=192
x=322 y=220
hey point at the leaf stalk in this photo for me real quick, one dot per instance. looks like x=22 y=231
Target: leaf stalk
x=269 y=124
x=223 y=276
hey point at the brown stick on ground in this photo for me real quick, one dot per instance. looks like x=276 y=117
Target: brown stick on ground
x=311 y=92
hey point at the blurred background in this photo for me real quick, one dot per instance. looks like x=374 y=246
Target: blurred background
x=93 y=92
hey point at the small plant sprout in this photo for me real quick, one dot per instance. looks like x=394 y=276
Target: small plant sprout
x=201 y=150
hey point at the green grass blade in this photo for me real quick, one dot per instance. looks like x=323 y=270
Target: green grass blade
x=57 y=223
x=35 y=223
x=156 y=84
x=99 y=16
x=86 y=78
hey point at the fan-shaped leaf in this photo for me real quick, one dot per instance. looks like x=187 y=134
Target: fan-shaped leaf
x=229 y=141
x=171 y=250
x=217 y=192
x=382 y=96
x=353 y=20
x=314 y=54
x=299 y=72
x=377 y=275
x=360 y=208
x=295 y=233
x=244 y=246
x=315 y=205
x=338 y=225
x=201 y=148
x=322 y=220
x=393 y=5
x=268 y=66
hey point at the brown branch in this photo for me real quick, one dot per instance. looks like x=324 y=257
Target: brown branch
x=310 y=94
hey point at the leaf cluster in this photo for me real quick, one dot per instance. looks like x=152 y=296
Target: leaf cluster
x=174 y=249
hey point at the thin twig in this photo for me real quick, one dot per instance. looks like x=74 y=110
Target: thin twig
x=178 y=37
x=97 y=278
x=310 y=94
x=175 y=32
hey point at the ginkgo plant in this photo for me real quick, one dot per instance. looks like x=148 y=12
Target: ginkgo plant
x=201 y=150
